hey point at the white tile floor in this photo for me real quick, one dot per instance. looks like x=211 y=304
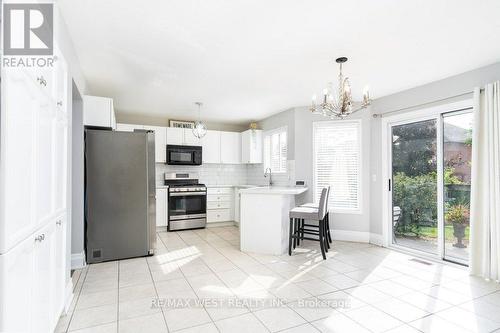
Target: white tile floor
x=360 y=288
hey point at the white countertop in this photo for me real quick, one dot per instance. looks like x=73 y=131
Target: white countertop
x=292 y=190
x=227 y=185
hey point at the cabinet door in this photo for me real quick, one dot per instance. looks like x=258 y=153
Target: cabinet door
x=127 y=127
x=59 y=280
x=211 y=147
x=161 y=207
x=190 y=139
x=44 y=267
x=18 y=138
x=245 y=147
x=97 y=111
x=45 y=152
x=60 y=165
x=16 y=280
x=175 y=136
x=230 y=151
x=160 y=143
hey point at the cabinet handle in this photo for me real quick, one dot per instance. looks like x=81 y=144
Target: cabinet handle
x=59 y=103
x=42 y=80
x=58 y=222
x=39 y=238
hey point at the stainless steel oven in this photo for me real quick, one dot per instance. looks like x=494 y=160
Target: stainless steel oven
x=184 y=155
x=187 y=202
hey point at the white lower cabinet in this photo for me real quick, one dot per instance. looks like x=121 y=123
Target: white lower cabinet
x=32 y=281
x=219 y=204
x=161 y=207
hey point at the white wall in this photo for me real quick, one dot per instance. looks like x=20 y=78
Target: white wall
x=434 y=93
x=299 y=121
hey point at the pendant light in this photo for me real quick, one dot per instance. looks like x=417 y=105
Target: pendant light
x=199 y=129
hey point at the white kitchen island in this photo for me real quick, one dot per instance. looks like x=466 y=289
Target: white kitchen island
x=264 y=221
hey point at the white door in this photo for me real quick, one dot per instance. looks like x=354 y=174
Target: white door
x=230 y=149
x=43 y=273
x=16 y=282
x=161 y=207
x=175 y=136
x=190 y=139
x=20 y=109
x=211 y=147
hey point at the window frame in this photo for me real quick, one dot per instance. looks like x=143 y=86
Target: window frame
x=359 y=125
x=270 y=133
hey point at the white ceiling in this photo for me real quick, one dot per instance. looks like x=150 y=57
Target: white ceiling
x=247 y=59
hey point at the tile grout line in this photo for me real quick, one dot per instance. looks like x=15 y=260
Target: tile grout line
x=154 y=285
x=238 y=268
x=185 y=278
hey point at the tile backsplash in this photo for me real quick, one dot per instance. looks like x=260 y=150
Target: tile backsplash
x=230 y=174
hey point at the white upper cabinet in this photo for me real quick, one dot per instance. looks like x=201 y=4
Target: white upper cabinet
x=160 y=142
x=211 y=147
x=251 y=146
x=98 y=111
x=175 y=136
x=127 y=127
x=230 y=147
x=190 y=139
x=160 y=138
x=181 y=136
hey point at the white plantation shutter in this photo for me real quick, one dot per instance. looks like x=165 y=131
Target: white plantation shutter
x=337 y=163
x=275 y=150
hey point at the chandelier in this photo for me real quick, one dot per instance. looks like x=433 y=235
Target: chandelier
x=199 y=129
x=341 y=104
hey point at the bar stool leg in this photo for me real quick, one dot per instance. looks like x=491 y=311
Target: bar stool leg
x=321 y=239
x=302 y=234
x=325 y=239
x=328 y=227
x=299 y=228
x=295 y=227
x=290 y=237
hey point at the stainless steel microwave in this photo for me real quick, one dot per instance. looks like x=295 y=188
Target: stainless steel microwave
x=183 y=155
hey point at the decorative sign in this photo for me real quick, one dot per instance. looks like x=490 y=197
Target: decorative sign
x=181 y=124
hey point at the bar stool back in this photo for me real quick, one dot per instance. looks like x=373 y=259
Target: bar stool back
x=297 y=225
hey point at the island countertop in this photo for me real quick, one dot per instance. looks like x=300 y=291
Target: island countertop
x=291 y=190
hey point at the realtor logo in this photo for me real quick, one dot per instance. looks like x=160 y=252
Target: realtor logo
x=28 y=29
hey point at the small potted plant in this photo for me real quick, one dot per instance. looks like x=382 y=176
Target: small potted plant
x=458 y=215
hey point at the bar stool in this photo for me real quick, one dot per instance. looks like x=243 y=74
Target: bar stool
x=327 y=220
x=297 y=231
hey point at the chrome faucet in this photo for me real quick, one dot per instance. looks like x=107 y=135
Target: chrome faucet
x=270 y=176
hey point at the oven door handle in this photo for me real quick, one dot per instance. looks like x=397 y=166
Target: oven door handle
x=186 y=194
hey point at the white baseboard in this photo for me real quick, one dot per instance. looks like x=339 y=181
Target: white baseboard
x=77 y=260
x=68 y=296
x=350 y=236
x=220 y=224
x=376 y=239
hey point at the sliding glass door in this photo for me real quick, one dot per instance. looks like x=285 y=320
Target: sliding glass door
x=457 y=154
x=429 y=184
x=414 y=185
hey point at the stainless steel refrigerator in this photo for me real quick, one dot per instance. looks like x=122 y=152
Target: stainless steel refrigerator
x=120 y=194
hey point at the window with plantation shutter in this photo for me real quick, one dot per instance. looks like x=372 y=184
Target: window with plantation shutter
x=275 y=149
x=337 y=163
